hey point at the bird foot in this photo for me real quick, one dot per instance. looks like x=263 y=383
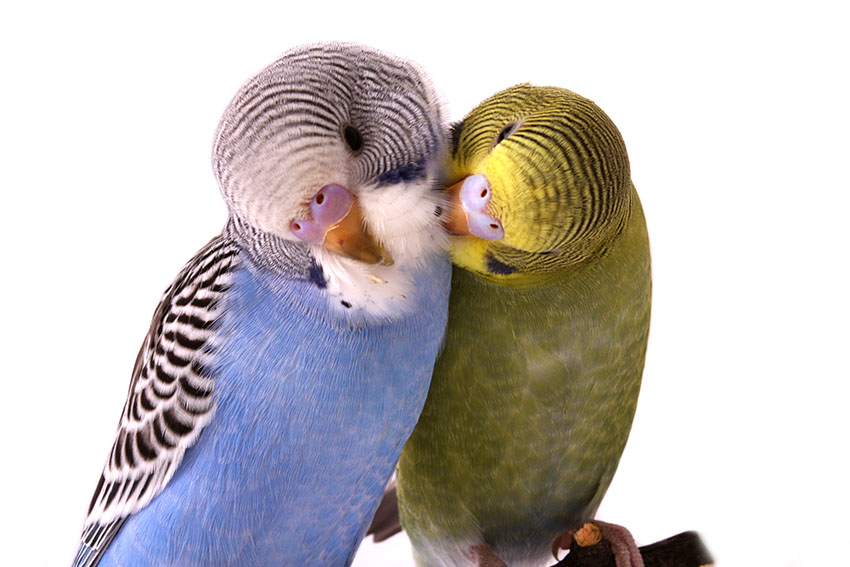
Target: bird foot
x=620 y=543
x=626 y=552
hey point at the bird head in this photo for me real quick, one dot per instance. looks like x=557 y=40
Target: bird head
x=335 y=147
x=539 y=181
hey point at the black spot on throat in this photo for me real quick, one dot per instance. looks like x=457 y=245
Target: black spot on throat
x=317 y=276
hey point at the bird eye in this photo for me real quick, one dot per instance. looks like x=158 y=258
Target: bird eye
x=352 y=138
x=508 y=131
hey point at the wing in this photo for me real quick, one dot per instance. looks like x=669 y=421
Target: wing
x=170 y=398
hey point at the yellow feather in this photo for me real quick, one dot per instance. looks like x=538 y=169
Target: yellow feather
x=559 y=175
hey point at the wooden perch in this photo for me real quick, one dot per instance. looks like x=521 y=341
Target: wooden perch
x=590 y=549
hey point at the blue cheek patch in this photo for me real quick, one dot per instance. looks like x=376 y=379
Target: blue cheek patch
x=494 y=266
x=408 y=172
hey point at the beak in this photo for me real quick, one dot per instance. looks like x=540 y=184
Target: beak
x=466 y=214
x=337 y=224
x=456 y=221
x=350 y=238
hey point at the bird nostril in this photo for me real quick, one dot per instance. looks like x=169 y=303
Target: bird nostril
x=494 y=226
x=296 y=226
x=320 y=198
x=483 y=193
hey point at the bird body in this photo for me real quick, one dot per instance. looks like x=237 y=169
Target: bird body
x=533 y=396
x=288 y=362
x=275 y=441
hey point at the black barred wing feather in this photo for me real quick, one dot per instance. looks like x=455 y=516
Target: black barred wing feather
x=170 y=398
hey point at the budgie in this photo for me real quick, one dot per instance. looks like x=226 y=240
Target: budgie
x=533 y=396
x=288 y=362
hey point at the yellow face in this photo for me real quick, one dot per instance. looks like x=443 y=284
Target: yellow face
x=559 y=176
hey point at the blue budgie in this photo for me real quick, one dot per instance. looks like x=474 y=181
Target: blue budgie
x=288 y=362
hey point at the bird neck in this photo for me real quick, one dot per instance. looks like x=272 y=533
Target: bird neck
x=347 y=291
x=616 y=259
x=272 y=253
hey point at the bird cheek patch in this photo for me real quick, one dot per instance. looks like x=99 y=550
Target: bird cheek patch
x=495 y=266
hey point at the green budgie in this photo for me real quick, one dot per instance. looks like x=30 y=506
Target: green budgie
x=533 y=396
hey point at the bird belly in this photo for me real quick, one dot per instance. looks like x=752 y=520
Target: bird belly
x=309 y=423
x=523 y=429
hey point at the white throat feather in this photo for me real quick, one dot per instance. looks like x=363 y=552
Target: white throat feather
x=405 y=222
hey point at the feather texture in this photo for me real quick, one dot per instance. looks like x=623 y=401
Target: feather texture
x=280 y=377
x=170 y=398
x=532 y=398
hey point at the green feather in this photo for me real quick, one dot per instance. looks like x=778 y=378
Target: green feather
x=533 y=396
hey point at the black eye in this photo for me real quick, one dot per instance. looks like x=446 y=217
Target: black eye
x=508 y=131
x=353 y=138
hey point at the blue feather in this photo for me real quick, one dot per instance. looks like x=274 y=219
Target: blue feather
x=405 y=173
x=312 y=411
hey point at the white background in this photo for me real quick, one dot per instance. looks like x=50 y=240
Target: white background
x=736 y=119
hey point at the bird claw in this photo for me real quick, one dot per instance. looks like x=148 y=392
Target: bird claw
x=564 y=541
x=623 y=545
x=619 y=540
